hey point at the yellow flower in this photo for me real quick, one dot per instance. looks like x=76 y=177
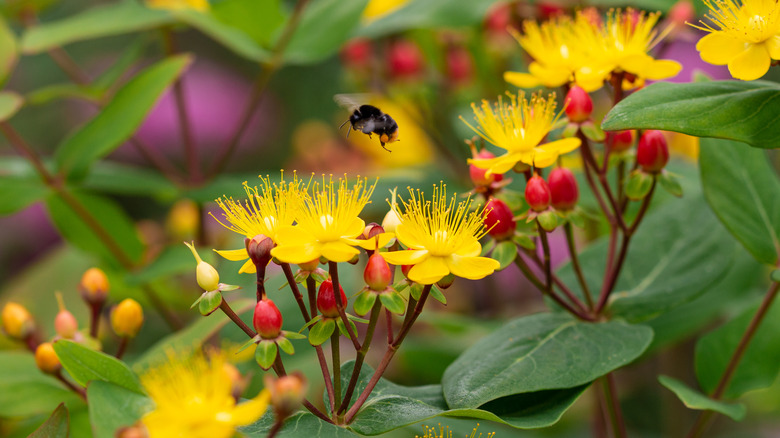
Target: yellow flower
x=519 y=128
x=265 y=210
x=376 y=9
x=443 y=238
x=328 y=224
x=746 y=36
x=620 y=44
x=179 y=5
x=445 y=432
x=193 y=399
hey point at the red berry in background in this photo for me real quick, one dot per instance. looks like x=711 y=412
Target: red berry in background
x=563 y=189
x=357 y=53
x=619 y=141
x=499 y=220
x=549 y=10
x=579 y=105
x=478 y=176
x=460 y=67
x=404 y=59
x=498 y=19
x=652 y=154
x=682 y=12
x=537 y=193
x=326 y=299
x=267 y=319
x=377 y=273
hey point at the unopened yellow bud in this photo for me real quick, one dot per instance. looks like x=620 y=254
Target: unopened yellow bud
x=391 y=220
x=127 y=318
x=208 y=277
x=94 y=286
x=46 y=358
x=184 y=219
x=287 y=393
x=17 y=321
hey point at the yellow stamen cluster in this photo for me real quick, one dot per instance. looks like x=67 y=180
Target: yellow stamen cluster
x=331 y=209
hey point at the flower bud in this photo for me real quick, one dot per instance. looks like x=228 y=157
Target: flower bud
x=446 y=281
x=537 y=193
x=127 y=318
x=619 y=141
x=404 y=59
x=373 y=229
x=391 y=221
x=499 y=220
x=135 y=431
x=17 y=321
x=65 y=324
x=460 y=67
x=356 y=53
x=259 y=249
x=207 y=276
x=377 y=273
x=405 y=270
x=94 y=286
x=579 y=106
x=46 y=358
x=309 y=266
x=184 y=219
x=267 y=319
x=479 y=176
x=563 y=189
x=681 y=13
x=652 y=154
x=287 y=393
x=326 y=299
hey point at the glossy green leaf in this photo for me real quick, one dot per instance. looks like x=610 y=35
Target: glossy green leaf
x=53 y=92
x=422 y=14
x=237 y=41
x=257 y=19
x=302 y=424
x=112 y=406
x=10 y=103
x=285 y=345
x=121 y=117
x=392 y=406
x=9 y=52
x=265 y=354
x=693 y=399
x=316 y=38
x=26 y=391
x=393 y=302
x=173 y=260
x=86 y=365
x=760 y=364
x=540 y=352
x=505 y=253
x=722 y=109
x=18 y=193
x=101 y=21
x=131 y=54
x=741 y=187
x=116 y=223
x=56 y=426
x=321 y=331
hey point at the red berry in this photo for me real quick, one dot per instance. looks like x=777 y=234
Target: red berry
x=498 y=19
x=357 y=53
x=499 y=220
x=377 y=273
x=326 y=299
x=478 y=176
x=563 y=188
x=404 y=59
x=682 y=12
x=549 y=10
x=619 y=141
x=579 y=105
x=652 y=154
x=537 y=193
x=460 y=67
x=267 y=319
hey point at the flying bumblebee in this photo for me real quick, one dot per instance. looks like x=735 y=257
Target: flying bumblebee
x=368 y=119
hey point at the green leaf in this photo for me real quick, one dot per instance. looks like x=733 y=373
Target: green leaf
x=210 y=302
x=438 y=295
x=302 y=424
x=525 y=241
x=10 y=103
x=265 y=354
x=343 y=328
x=236 y=40
x=86 y=365
x=112 y=406
x=760 y=364
x=56 y=426
x=18 y=193
x=505 y=253
x=321 y=331
x=424 y=14
x=775 y=276
x=9 y=52
x=592 y=131
x=26 y=391
x=101 y=21
x=722 y=109
x=173 y=260
x=53 y=92
x=364 y=302
x=286 y=345
x=293 y=335
x=540 y=352
x=392 y=406
x=131 y=54
x=638 y=185
x=393 y=302
x=122 y=179
x=115 y=222
x=693 y=399
x=257 y=19
x=316 y=38
x=741 y=187
x=669 y=182
x=120 y=118
x=415 y=290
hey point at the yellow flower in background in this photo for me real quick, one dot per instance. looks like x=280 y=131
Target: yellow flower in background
x=519 y=127
x=179 y=5
x=193 y=399
x=328 y=223
x=442 y=238
x=376 y=9
x=620 y=44
x=445 y=432
x=266 y=209
x=745 y=36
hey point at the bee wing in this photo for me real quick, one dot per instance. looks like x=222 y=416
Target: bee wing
x=352 y=101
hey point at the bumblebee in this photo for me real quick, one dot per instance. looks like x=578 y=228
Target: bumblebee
x=369 y=120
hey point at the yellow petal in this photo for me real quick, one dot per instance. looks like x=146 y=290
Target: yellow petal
x=400 y=258
x=338 y=251
x=429 y=271
x=472 y=268
x=591 y=79
x=470 y=249
x=662 y=69
x=750 y=64
x=291 y=235
x=355 y=228
x=374 y=243
x=546 y=154
x=718 y=48
x=500 y=164
x=773 y=46
x=521 y=80
x=233 y=255
x=250 y=411
x=636 y=63
x=297 y=253
x=409 y=236
x=551 y=77
x=248 y=268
